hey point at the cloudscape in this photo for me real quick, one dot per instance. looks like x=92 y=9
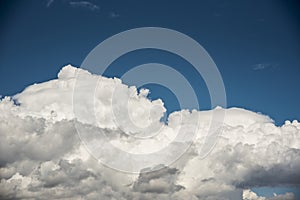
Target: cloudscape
x=149 y=100
x=42 y=156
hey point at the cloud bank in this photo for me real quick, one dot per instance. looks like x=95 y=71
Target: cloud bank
x=42 y=156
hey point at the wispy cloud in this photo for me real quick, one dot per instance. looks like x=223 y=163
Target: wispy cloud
x=84 y=4
x=49 y=3
x=113 y=15
x=264 y=66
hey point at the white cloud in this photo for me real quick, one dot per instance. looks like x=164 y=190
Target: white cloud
x=49 y=3
x=84 y=4
x=114 y=15
x=77 y=4
x=42 y=157
x=264 y=66
x=250 y=195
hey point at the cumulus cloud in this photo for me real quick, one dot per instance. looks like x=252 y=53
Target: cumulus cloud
x=250 y=195
x=42 y=156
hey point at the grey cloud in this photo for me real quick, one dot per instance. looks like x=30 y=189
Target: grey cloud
x=160 y=181
x=69 y=180
x=242 y=159
x=40 y=142
x=286 y=174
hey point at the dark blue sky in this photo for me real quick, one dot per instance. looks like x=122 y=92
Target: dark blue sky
x=255 y=44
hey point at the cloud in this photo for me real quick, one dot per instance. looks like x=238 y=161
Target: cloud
x=80 y=4
x=42 y=156
x=264 y=66
x=49 y=3
x=161 y=181
x=113 y=15
x=250 y=195
x=84 y=4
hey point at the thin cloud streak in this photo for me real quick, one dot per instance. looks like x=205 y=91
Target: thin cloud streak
x=84 y=4
x=49 y=3
x=264 y=66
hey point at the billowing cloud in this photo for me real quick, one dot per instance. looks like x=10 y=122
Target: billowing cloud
x=42 y=156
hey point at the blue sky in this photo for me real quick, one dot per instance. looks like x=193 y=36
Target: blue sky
x=255 y=45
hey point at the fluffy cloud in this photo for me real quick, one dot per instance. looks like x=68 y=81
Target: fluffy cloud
x=42 y=156
x=250 y=195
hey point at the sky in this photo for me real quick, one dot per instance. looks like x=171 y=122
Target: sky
x=255 y=45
